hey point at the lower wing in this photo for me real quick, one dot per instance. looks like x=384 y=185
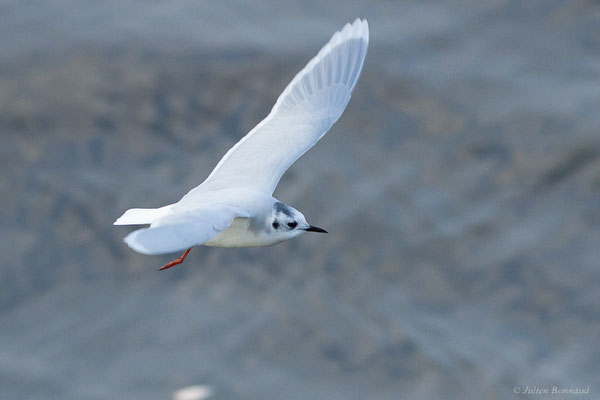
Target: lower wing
x=180 y=231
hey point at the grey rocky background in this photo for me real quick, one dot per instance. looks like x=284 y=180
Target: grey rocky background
x=461 y=190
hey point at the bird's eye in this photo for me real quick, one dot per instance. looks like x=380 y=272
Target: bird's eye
x=275 y=224
x=292 y=224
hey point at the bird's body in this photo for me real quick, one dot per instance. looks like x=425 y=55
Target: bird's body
x=253 y=231
x=234 y=206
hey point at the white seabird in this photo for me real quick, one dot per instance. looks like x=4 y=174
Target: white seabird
x=234 y=206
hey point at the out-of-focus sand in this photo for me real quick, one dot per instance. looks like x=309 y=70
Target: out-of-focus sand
x=461 y=190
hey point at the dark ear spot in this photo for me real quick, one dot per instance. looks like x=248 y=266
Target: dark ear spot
x=275 y=225
x=282 y=208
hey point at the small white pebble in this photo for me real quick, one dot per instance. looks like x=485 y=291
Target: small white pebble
x=196 y=392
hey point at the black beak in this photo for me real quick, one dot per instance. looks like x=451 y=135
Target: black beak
x=315 y=229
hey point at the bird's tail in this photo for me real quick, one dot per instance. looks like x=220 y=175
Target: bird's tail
x=142 y=216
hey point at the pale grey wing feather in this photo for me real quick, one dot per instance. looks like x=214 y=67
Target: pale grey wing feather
x=180 y=231
x=303 y=113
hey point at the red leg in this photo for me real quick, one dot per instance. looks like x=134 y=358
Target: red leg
x=176 y=261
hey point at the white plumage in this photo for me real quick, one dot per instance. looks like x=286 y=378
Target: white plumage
x=241 y=185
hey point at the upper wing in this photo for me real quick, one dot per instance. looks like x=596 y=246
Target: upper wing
x=303 y=113
x=179 y=231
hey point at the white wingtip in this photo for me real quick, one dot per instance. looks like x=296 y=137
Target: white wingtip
x=132 y=241
x=359 y=28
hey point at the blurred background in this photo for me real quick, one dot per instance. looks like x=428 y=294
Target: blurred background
x=461 y=190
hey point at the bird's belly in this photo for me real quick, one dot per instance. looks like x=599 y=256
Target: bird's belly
x=240 y=234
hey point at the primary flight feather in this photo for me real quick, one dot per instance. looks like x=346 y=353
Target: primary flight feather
x=234 y=206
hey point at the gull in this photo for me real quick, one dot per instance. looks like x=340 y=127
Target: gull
x=234 y=206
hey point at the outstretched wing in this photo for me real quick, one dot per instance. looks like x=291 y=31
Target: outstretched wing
x=180 y=231
x=303 y=113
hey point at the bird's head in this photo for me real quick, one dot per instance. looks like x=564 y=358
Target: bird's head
x=286 y=222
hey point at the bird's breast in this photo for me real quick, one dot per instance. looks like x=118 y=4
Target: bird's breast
x=243 y=232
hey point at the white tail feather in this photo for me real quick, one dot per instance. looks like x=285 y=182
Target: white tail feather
x=142 y=216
